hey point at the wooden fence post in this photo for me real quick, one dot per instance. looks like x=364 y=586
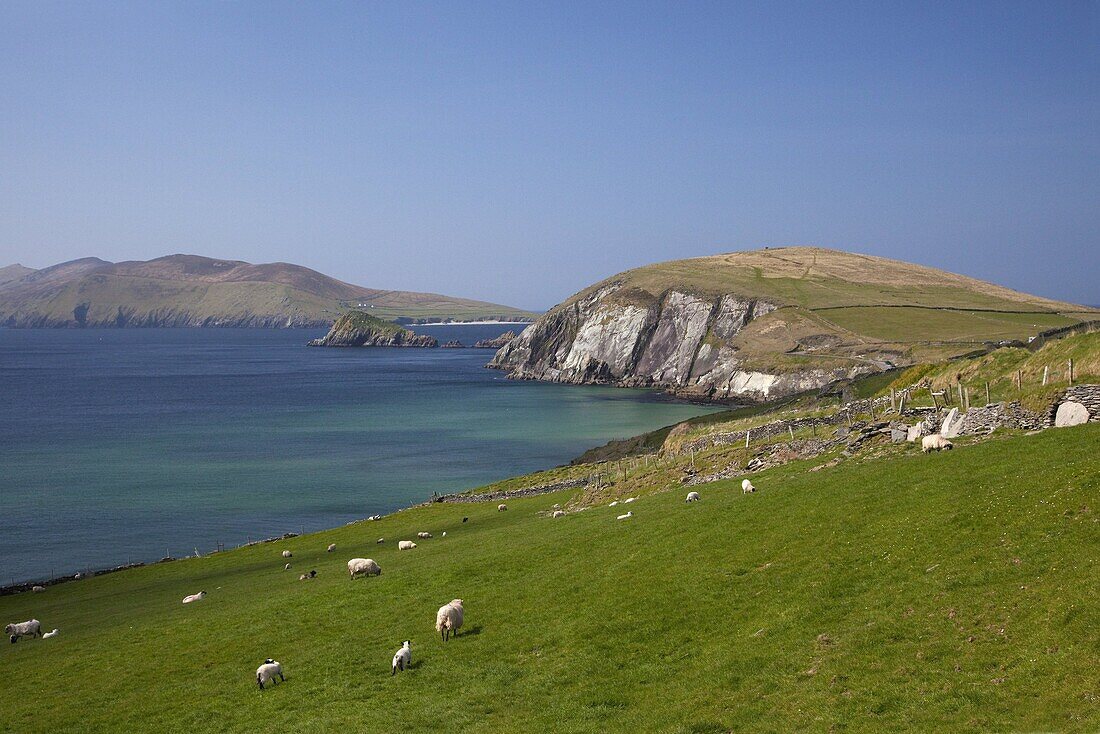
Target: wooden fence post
x=1071 y=371
x=791 y=431
x=893 y=404
x=1046 y=371
x=987 y=400
x=747 y=434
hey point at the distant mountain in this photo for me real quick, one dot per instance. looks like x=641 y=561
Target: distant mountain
x=766 y=323
x=189 y=290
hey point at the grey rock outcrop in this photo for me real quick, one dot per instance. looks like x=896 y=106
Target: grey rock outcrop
x=677 y=341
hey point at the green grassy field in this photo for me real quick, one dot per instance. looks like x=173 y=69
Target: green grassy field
x=913 y=592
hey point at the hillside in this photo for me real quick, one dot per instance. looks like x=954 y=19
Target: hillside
x=939 y=592
x=187 y=290
x=762 y=324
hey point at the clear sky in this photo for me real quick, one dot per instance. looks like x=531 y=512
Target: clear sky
x=517 y=152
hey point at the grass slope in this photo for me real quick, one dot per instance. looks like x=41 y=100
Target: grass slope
x=918 y=592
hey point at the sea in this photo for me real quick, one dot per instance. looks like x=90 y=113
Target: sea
x=119 y=446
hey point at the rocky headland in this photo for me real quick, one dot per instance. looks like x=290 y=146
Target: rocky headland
x=358 y=329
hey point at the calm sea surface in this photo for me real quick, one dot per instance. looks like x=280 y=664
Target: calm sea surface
x=125 y=445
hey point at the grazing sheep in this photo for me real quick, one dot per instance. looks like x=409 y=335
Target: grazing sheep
x=307 y=576
x=286 y=567
x=48 y=635
x=380 y=540
x=331 y=548
x=423 y=536
x=628 y=500
x=402 y=658
x=502 y=507
x=365 y=566
x=405 y=545
x=30 y=628
x=448 y=619
x=444 y=534
x=557 y=506
x=935 y=442
x=266 y=673
x=375 y=517
x=465 y=519
x=626 y=516
x=746 y=486
x=692 y=497
x=38 y=589
x=558 y=513
x=194 y=597
x=287 y=554
x=614 y=504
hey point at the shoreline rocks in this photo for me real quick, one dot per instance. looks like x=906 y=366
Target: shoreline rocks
x=358 y=329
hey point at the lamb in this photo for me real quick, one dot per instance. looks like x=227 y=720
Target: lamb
x=405 y=545
x=935 y=442
x=402 y=658
x=307 y=576
x=448 y=619
x=287 y=554
x=746 y=486
x=194 y=597
x=692 y=497
x=502 y=507
x=30 y=628
x=286 y=567
x=558 y=513
x=266 y=673
x=331 y=548
x=627 y=516
x=51 y=634
x=38 y=589
x=366 y=566
x=423 y=536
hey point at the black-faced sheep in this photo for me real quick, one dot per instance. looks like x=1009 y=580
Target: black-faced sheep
x=267 y=672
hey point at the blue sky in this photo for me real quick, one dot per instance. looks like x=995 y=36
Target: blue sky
x=518 y=151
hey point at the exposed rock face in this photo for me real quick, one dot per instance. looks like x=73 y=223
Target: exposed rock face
x=497 y=343
x=678 y=341
x=453 y=344
x=1071 y=414
x=357 y=329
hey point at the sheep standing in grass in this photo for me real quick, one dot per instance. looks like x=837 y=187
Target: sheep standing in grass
x=448 y=619
x=402 y=658
x=331 y=547
x=286 y=567
x=38 y=589
x=558 y=513
x=30 y=628
x=267 y=672
x=423 y=536
x=935 y=442
x=627 y=516
x=502 y=507
x=287 y=554
x=365 y=566
x=692 y=497
x=405 y=545
x=194 y=597
x=48 y=635
x=746 y=486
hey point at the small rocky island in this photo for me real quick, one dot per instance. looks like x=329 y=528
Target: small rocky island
x=358 y=329
x=497 y=343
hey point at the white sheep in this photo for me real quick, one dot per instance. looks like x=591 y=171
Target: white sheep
x=502 y=507
x=558 y=513
x=266 y=673
x=380 y=540
x=692 y=497
x=194 y=597
x=423 y=536
x=48 y=635
x=405 y=545
x=331 y=548
x=627 y=516
x=402 y=658
x=38 y=589
x=286 y=567
x=614 y=504
x=444 y=534
x=366 y=566
x=448 y=619
x=628 y=500
x=746 y=486
x=557 y=506
x=287 y=554
x=935 y=442
x=30 y=628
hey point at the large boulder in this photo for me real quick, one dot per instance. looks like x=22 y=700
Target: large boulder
x=951 y=424
x=1070 y=413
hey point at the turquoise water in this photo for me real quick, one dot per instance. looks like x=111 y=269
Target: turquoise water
x=125 y=445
